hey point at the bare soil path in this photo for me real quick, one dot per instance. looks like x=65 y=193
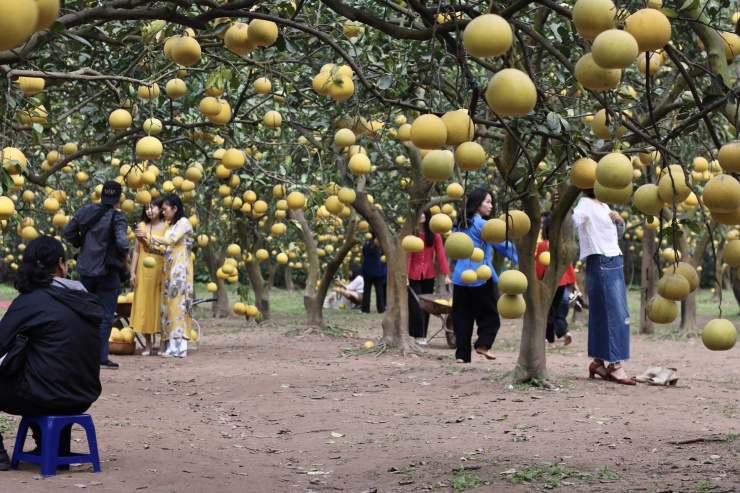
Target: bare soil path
x=274 y=408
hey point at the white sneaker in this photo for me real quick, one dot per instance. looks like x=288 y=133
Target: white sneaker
x=421 y=341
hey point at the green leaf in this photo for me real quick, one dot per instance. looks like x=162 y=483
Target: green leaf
x=689 y=5
x=77 y=38
x=384 y=82
x=670 y=13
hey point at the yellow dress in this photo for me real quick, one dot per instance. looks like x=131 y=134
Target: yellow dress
x=177 y=291
x=146 y=308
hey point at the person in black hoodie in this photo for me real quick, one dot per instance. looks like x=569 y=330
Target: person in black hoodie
x=58 y=372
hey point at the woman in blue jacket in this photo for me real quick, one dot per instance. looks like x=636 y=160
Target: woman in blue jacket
x=475 y=303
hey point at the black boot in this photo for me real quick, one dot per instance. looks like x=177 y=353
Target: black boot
x=4 y=459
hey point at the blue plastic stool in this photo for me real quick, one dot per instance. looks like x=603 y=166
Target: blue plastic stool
x=56 y=432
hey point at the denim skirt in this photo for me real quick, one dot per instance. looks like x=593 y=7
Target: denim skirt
x=608 y=313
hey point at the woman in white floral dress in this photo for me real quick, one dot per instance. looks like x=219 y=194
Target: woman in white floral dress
x=177 y=293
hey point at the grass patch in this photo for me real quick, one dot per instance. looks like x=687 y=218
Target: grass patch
x=553 y=475
x=731 y=411
x=7 y=423
x=463 y=481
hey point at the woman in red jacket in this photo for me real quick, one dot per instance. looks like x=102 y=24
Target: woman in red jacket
x=422 y=273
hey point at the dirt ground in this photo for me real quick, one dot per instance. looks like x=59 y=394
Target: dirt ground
x=273 y=408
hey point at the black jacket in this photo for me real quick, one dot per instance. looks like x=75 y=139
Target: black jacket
x=91 y=260
x=63 y=351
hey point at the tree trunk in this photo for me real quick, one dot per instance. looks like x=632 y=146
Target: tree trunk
x=314 y=295
x=220 y=308
x=261 y=295
x=649 y=278
x=688 y=306
x=289 y=286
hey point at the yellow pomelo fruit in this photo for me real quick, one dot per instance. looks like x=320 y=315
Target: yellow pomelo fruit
x=260 y=207
x=455 y=191
x=428 y=132
x=29 y=233
x=647 y=199
x=650 y=28
x=252 y=311
x=237 y=39
x=518 y=223
x=470 y=156
x=614 y=48
x=212 y=287
x=686 y=270
x=544 y=258
x=459 y=246
x=512 y=282
x=614 y=171
x=233 y=159
x=149 y=148
x=272 y=119
x=344 y=138
x=51 y=205
x=469 y=276
x=262 y=85
x=674 y=287
x=59 y=220
x=511 y=306
x=30 y=85
x=437 y=165
x=149 y=93
x=731 y=42
x=152 y=126
x=209 y=106
x=459 y=126
x=661 y=310
x=642 y=63
x=262 y=254
x=13 y=160
x=404 y=132
x=721 y=194
x=333 y=205
x=186 y=51
x=593 y=77
x=7 y=208
x=613 y=195
x=487 y=35
x=440 y=223
x=143 y=197
x=483 y=272
x=224 y=116
x=359 y=164
x=239 y=308
x=672 y=185
x=412 y=244
x=719 y=335
x=729 y=157
x=731 y=253
x=149 y=262
x=341 y=88
x=583 y=173
x=18 y=20
x=296 y=200
x=494 y=231
x=347 y=195
x=322 y=83
x=48 y=11
x=263 y=32
x=477 y=255
x=592 y=17
x=369 y=345
x=603 y=127
x=176 y=88
x=511 y=93
x=120 y=119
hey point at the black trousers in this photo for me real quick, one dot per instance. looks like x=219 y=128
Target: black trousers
x=12 y=403
x=474 y=305
x=418 y=318
x=557 y=317
x=378 y=282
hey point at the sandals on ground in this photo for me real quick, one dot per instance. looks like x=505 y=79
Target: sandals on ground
x=666 y=376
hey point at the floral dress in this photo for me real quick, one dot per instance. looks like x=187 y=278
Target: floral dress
x=177 y=288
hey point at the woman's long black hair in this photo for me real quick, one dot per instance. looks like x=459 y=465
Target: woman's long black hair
x=428 y=235
x=40 y=260
x=157 y=202
x=174 y=200
x=475 y=199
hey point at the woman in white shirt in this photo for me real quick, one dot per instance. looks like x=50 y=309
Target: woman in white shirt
x=599 y=230
x=349 y=294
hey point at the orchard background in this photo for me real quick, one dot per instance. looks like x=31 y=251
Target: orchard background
x=294 y=129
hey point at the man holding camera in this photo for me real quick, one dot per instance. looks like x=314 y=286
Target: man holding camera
x=99 y=231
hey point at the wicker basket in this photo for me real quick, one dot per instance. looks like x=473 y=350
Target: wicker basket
x=121 y=348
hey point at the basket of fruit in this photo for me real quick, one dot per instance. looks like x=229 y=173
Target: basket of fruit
x=436 y=304
x=122 y=341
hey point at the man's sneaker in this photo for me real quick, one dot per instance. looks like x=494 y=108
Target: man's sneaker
x=108 y=365
x=4 y=460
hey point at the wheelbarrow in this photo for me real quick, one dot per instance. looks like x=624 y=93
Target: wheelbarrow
x=430 y=303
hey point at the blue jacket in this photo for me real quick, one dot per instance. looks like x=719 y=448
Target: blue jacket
x=507 y=249
x=371 y=264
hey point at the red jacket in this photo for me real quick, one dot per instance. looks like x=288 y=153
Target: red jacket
x=570 y=273
x=421 y=264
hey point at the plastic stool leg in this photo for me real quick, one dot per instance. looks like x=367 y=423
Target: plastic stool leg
x=20 y=440
x=92 y=443
x=49 y=448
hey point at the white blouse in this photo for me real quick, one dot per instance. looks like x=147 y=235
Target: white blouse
x=596 y=231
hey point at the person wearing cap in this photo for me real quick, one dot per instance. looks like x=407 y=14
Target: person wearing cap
x=90 y=231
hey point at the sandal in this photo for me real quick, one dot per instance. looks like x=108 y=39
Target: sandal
x=600 y=370
x=622 y=381
x=667 y=376
x=649 y=373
